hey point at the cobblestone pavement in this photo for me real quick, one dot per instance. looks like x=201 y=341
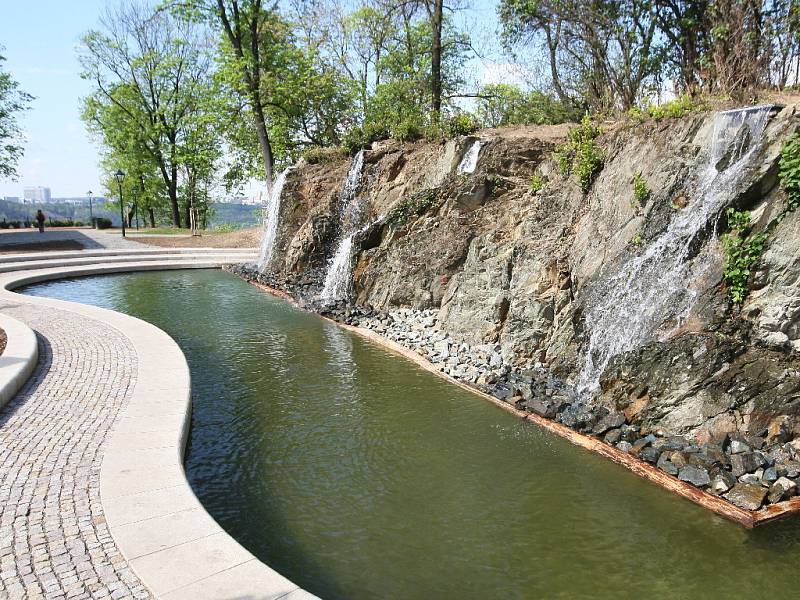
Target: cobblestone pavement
x=54 y=541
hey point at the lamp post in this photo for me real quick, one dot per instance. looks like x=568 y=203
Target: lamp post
x=91 y=217
x=119 y=175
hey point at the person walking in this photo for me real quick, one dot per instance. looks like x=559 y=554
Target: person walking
x=40 y=220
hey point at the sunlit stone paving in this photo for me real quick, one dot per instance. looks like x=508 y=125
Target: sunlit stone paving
x=54 y=541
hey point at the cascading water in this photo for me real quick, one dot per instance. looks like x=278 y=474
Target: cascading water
x=337 y=278
x=470 y=160
x=629 y=308
x=271 y=216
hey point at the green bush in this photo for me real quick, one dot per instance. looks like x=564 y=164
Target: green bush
x=317 y=155
x=411 y=206
x=789 y=170
x=363 y=136
x=407 y=130
x=679 y=107
x=64 y=223
x=742 y=246
x=502 y=104
x=580 y=155
x=537 y=183
x=641 y=192
x=462 y=123
x=742 y=250
x=102 y=222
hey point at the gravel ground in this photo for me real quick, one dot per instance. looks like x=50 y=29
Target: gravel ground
x=245 y=238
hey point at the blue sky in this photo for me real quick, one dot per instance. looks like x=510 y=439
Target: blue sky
x=40 y=42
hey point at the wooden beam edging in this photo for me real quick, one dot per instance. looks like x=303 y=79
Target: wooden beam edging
x=716 y=504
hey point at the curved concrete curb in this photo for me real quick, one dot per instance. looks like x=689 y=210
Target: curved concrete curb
x=18 y=359
x=173 y=545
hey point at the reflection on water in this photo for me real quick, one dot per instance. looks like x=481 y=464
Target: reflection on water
x=358 y=475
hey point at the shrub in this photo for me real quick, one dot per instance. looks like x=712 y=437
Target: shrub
x=102 y=222
x=363 y=136
x=742 y=250
x=317 y=155
x=407 y=130
x=537 y=183
x=679 y=107
x=580 y=155
x=641 y=192
x=503 y=104
x=411 y=206
x=462 y=123
x=743 y=247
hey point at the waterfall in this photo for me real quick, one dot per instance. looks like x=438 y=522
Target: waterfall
x=628 y=308
x=272 y=211
x=470 y=160
x=337 y=277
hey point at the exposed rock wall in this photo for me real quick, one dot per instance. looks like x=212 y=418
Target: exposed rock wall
x=505 y=266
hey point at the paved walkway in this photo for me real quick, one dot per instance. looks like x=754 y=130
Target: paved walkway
x=92 y=239
x=54 y=541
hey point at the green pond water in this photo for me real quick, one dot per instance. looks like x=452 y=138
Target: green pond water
x=358 y=475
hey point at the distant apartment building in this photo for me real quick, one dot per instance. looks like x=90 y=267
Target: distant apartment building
x=12 y=199
x=36 y=194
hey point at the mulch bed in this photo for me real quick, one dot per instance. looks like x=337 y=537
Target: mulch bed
x=3 y=339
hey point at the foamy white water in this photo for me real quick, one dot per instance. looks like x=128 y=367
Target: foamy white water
x=272 y=211
x=470 y=159
x=338 y=276
x=628 y=307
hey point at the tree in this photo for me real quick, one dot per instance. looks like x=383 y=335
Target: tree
x=503 y=104
x=603 y=54
x=148 y=69
x=13 y=101
x=125 y=147
x=256 y=37
x=685 y=26
x=783 y=25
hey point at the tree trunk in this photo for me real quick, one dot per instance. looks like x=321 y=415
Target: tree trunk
x=263 y=138
x=152 y=217
x=436 y=58
x=251 y=71
x=173 y=195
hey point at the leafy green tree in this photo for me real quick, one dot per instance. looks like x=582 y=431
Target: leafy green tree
x=149 y=71
x=13 y=101
x=257 y=42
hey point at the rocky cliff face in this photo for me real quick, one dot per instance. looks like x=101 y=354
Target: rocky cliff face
x=504 y=267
